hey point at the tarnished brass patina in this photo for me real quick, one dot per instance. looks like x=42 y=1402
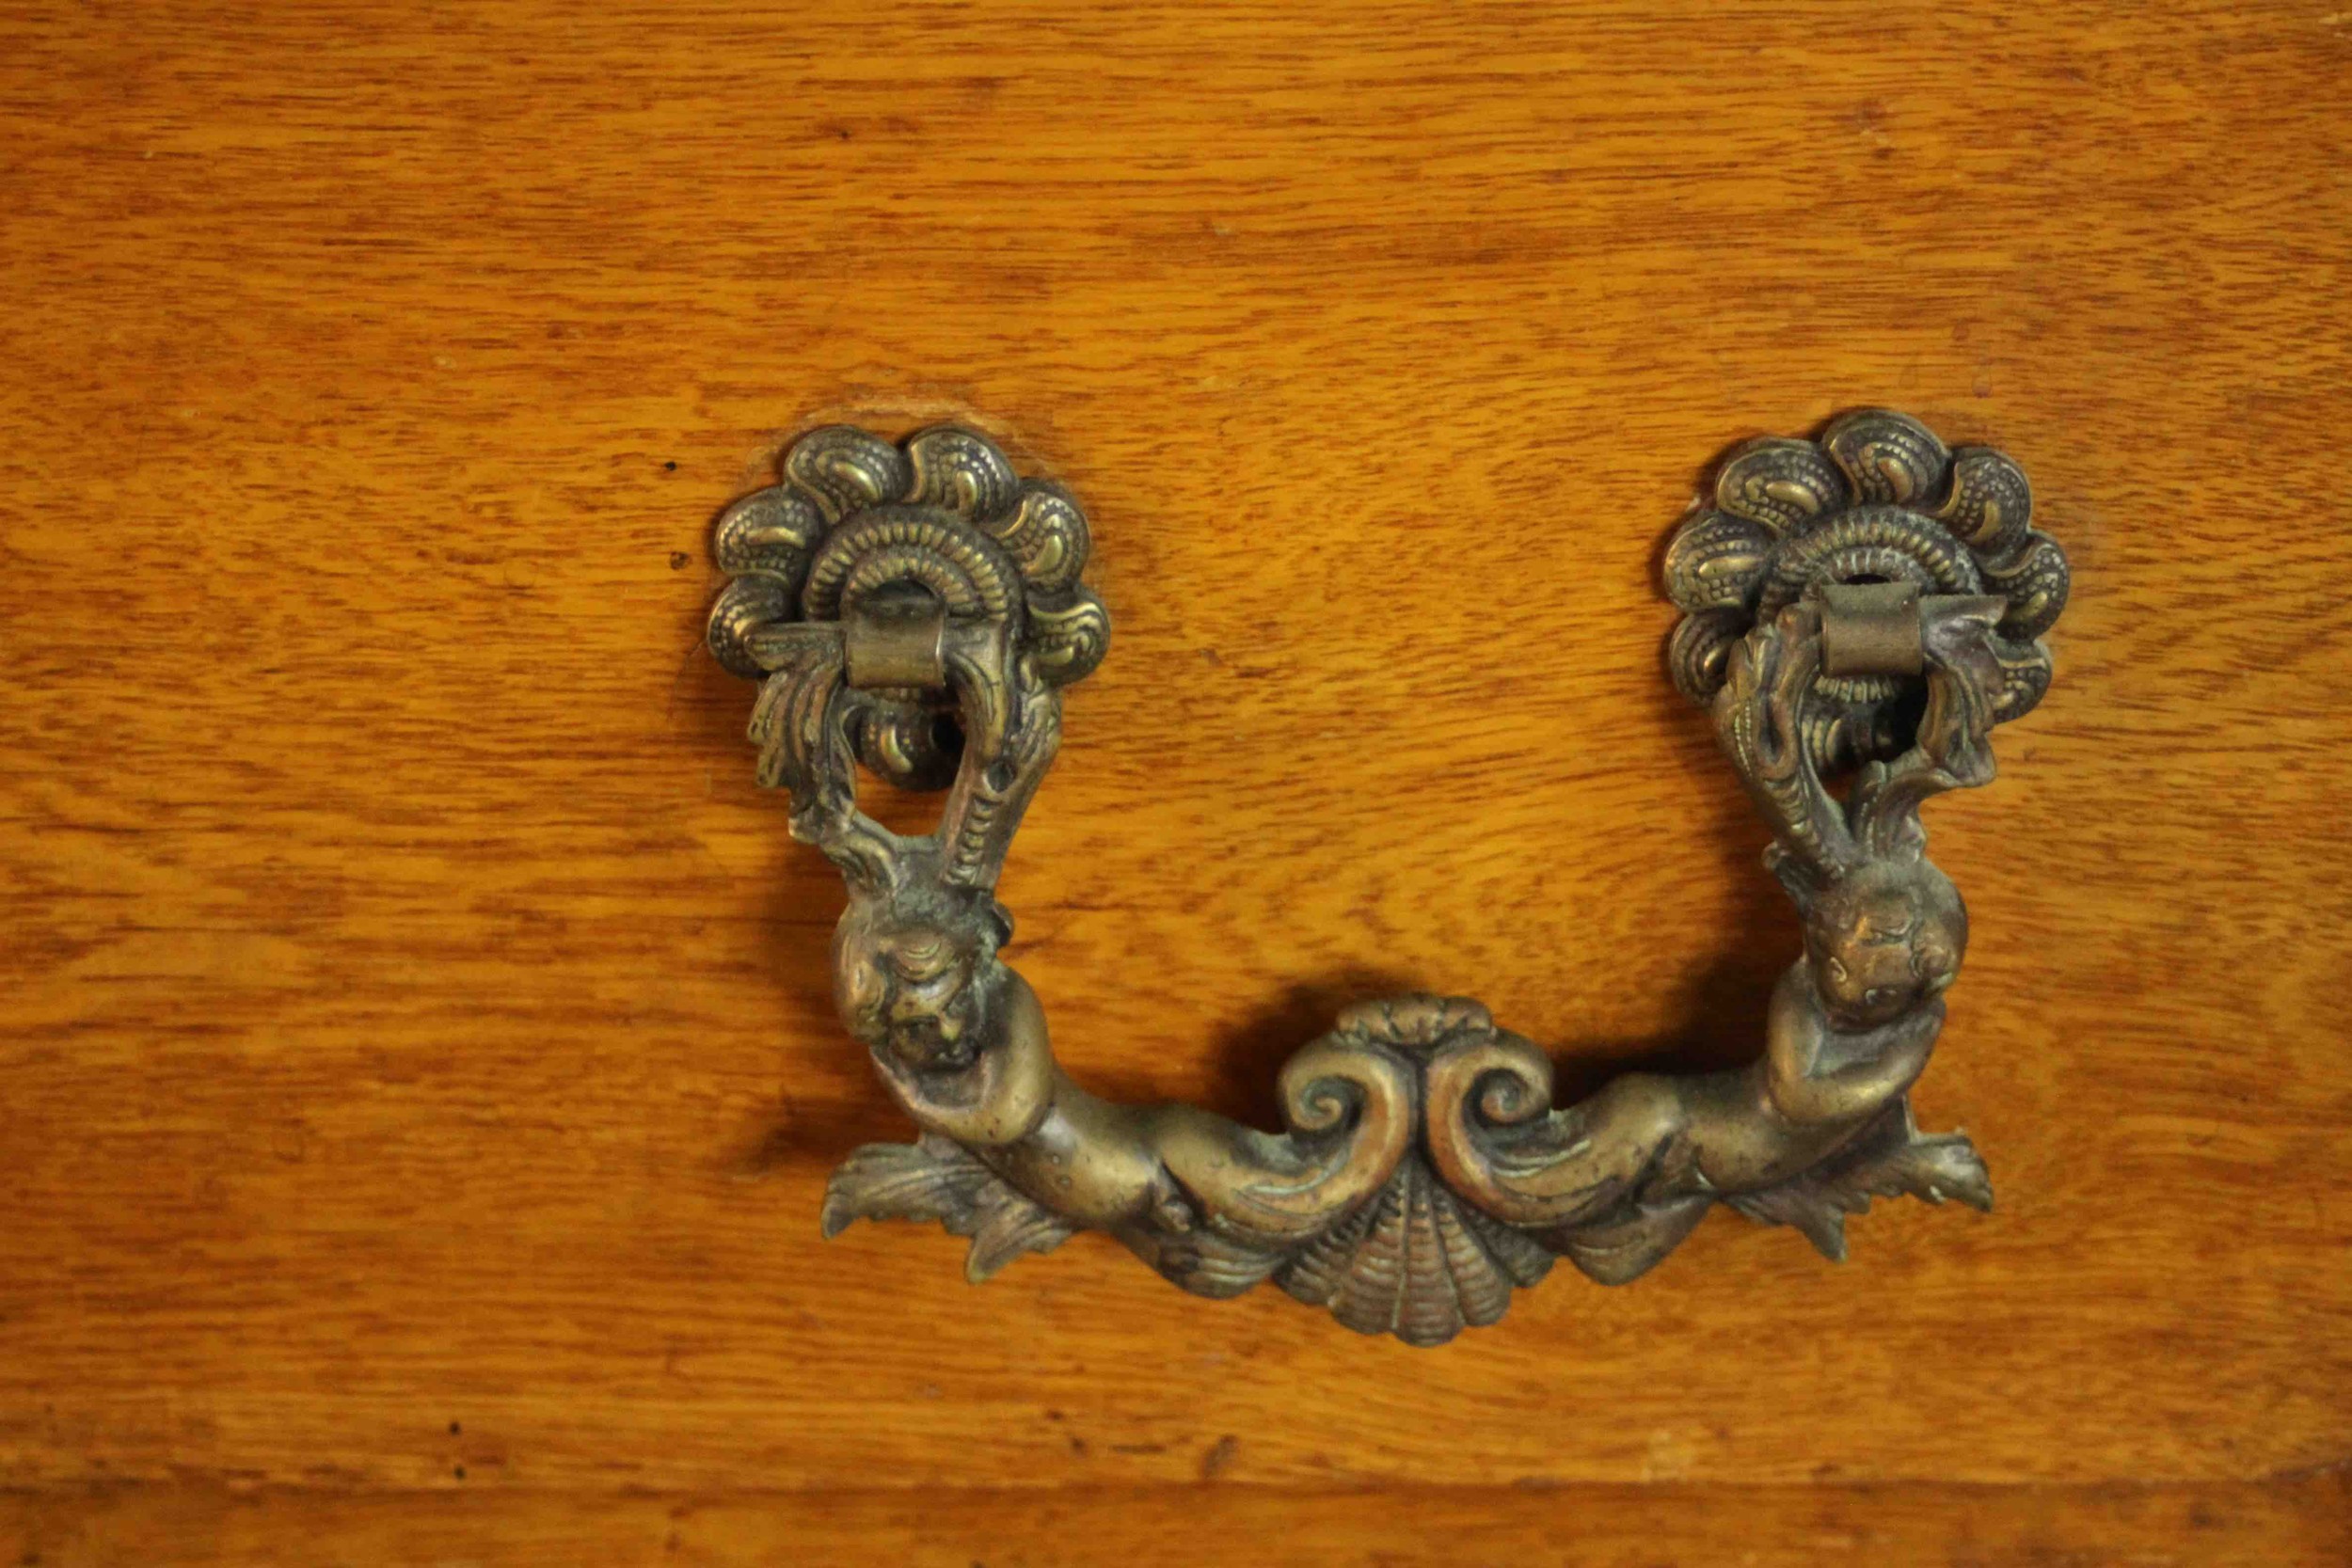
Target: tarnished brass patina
x=1866 y=604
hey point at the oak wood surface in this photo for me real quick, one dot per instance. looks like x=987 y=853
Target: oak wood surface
x=415 y=1025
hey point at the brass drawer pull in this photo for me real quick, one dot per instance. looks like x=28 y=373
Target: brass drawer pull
x=1866 y=604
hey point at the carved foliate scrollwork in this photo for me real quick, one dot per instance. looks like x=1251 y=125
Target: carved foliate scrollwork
x=1424 y=1172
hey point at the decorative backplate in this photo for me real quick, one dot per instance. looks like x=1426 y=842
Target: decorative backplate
x=1868 y=604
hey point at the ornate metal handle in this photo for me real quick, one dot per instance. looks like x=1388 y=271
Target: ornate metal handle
x=1867 y=603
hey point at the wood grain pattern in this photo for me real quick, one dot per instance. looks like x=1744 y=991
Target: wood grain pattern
x=415 y=1025
x=2194 y=1525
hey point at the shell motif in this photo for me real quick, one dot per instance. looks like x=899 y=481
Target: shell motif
x=1415 y=1262
x=943 y=510
x=1878 y=498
